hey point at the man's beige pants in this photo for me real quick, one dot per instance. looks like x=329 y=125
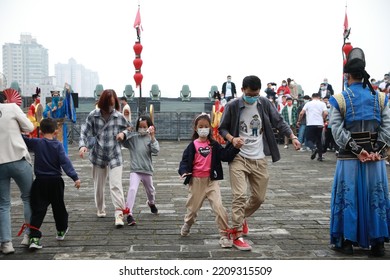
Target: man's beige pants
x=246 y=173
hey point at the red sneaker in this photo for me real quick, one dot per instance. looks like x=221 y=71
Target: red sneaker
x=245 y=228
x=241 y=245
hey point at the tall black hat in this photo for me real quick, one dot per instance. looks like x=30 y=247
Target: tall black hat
x=356 y=64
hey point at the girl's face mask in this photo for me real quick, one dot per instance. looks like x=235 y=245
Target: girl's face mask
x=143 y=131
x=203 y=132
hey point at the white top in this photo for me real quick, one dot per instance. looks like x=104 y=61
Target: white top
x=314 y=112
x=228 y=92
x=12 y=122
x=250 y=131
x=382 y=86
x=289 y=111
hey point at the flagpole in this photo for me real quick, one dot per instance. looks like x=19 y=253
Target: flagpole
x=141 y=101
x=342 y=48
x=347 y=31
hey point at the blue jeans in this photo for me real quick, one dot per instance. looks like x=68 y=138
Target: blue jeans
x=21 y=172
x=301 y=134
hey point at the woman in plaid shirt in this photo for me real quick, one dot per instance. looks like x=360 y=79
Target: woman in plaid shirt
x=104 y=129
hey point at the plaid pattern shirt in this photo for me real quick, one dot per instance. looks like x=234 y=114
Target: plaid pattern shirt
x=294 y=115
x=107 y=150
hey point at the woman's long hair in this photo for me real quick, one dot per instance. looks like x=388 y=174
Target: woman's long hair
x=104 y=102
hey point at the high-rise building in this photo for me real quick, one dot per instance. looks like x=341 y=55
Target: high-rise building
x=26 y=63
x=82 y=80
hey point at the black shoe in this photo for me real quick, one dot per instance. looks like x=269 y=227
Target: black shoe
x=346 y=248
x=320 y=159
x=378 y=250
x=313 y=153
x=130 y=220
x=153 y=208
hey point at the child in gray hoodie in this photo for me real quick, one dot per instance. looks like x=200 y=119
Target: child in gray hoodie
x=141 y=146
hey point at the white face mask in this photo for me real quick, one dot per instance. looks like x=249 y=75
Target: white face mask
x=284 y=84
x=203 y=132
x=143 y=131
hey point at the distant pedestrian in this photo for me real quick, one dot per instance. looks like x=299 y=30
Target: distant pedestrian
x=290 y=115
x=201 y=168
x=270 y=91
x=48 y=186
x=229 y=89
x=126 y=111
x=301 y=125
x=101 y=134
x=325 y=89
x=142 y=145
x=282 y=90
x=316 y=113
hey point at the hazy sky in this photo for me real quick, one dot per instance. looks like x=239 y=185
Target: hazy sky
x=200 y=42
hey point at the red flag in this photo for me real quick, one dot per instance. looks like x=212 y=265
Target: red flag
x=346 y=21
x=347 y=29
x=137 y=22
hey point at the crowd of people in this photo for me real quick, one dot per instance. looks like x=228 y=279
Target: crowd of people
x=242 y=131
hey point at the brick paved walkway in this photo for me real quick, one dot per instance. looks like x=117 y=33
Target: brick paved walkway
x=293 y=223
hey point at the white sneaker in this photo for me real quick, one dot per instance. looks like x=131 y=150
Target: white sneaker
x=225 y=242
x=286 y=146
x=26 y=240
x=101 y=214
x=119 y=220
x=7 y=248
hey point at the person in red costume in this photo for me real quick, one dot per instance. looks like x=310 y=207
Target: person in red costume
x=34 y=113
x=216 y=117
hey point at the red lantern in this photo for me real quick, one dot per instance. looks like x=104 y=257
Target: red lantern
x=347 y=48
x=137 y=48
x=138 y=78
x=137 y=63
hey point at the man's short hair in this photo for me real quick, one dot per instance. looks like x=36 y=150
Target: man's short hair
x=315 y=95
x=123 y=98
x=252 y=82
